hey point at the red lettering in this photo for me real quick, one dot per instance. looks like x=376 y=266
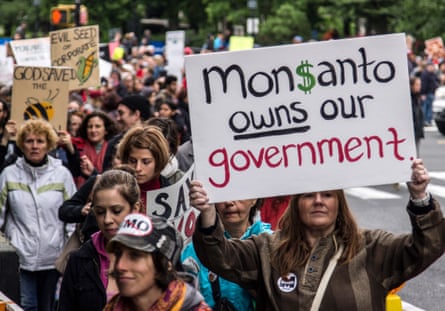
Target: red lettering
x=352 y=144
x=224 y=162
x=234 y=163
x=369 y=147
x=181 y=222
x=190 y=224
x=330 y=143
x=396 y=143
x=316 y=152
x=313 y=153
x=259 y=160
x=270 y=153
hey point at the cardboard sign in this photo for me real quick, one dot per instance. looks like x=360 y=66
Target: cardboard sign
x=173 y=203
x=77 y=48
x=32 y=52
x=41 y=93
x=298 y=118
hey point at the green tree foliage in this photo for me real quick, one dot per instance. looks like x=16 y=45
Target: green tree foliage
x=288 y=21
x=421 y=18
x=280 y=20
x=12 y=13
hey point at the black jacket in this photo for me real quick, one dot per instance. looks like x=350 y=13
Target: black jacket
x=71 y=209
x=111 y=151
x=82 y=288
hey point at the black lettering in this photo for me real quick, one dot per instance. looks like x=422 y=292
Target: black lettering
x=365 y=64
x=260 y=93
x=290 y=78
x=300 y=111
x=161 y=201
x=324 y=110
x=392 y=72
x=181 y=204
x=331 y=77
x=343 y=70
x=224 y=76
x=238 y=127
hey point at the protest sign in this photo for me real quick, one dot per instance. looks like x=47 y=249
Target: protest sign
x=174 y=52
x=304 y=117
x=105 y=68
x=32 y=52
x=434 y=49
x=238 y=43
x=173 y=203
x=41 y=93
x=6 y=66
x=77 y=48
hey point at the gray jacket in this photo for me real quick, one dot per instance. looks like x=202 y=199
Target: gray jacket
x=34 y=195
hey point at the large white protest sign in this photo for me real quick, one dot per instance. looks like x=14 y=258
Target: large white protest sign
x=173 y=203
x=297 y=118
x=32 y=52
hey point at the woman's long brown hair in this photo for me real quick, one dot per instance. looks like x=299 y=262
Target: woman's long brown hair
x=292 y=249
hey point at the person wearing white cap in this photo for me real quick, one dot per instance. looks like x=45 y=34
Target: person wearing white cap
x=146 y=252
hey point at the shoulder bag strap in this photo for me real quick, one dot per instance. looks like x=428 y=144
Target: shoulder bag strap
x=325 y=279
x=216 y=290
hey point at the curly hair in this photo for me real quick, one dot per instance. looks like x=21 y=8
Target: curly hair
x=37 y=127
x=109 y=124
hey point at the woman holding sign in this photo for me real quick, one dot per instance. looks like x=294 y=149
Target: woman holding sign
x=320 y=260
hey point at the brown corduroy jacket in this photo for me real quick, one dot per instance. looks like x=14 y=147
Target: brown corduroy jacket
x=384 y=262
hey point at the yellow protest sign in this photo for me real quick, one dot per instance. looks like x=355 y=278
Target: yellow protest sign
x=238 y=43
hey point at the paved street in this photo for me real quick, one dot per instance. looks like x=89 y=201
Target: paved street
x=384 y=207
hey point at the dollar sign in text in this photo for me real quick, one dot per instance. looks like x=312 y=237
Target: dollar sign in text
x=308 y=78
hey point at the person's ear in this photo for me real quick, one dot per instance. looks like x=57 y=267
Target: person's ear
x=137 y=206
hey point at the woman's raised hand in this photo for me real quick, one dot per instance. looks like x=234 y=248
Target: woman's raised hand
x=419 y=180
x=200 y=200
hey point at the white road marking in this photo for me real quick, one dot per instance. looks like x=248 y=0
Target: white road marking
x=366 y=193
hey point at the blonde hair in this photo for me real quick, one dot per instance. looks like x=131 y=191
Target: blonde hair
x=37 y=127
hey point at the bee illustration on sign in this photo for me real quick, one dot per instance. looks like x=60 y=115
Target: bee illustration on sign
x=85 y=67
x=40 y=109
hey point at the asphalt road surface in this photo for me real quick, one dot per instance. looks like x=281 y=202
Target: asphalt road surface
x=384 y=207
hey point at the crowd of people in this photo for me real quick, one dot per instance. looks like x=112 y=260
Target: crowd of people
x=132 y=135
